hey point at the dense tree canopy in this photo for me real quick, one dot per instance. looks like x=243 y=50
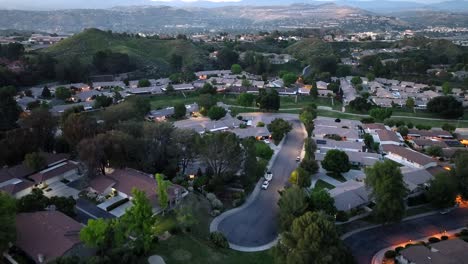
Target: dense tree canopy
x=7 y=220
x=443 y=190
x=246 y=99
x=445 y=106
x=312 y=238
x=216 y=112
x=380 y=114
x=292 y=204
x=388 y=190
x=336 y=161
x=269 y=101
x=279 y=128
x=9 y=109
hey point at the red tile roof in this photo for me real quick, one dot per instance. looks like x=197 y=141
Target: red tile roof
x=127 y=179
x=50 y=233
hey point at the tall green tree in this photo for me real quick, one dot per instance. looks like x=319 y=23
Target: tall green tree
x=381 y=114
x=95 y=234
x=138 y=221
x=336 y=161
x=268 y=101
x=161 y=191
x=179 y=111
x=461 y=172
x=446 y=106
x=307 y=118
x=246 y=99
x=216 y=112
x=7 y=220
x=292 y=204
x=9 y=109
x=236 y=69
x=320 y=200
x=312 y=238
x=35 y=161
x=78 y=127
x=43 y=126
x=443 y=190
x=63 y=93
x=279 y=128
x=301 y=177
x=446 y=88
x=222 y=153
x=388 y=190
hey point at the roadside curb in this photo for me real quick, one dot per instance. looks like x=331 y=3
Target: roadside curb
x=215 y=222
x=252 y=197
x=345 y=236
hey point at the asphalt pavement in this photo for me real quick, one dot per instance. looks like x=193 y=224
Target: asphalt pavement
x=86 y=210
x=256 y=225
x=364 y=245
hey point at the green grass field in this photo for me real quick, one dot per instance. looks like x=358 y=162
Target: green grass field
x=141 y=50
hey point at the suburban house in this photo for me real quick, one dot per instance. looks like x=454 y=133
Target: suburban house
x=326 y=144
x=386 y=137
x=421 y=144
x=408 y=157
x=349 y=195
x=321 y=85
x=429 y=134
x=373 y=128
x=47 y=235
x=416 y=180
x=202 y=125
x=361 y=159
x=348 y=130
x=119 y=185
x=19 y=180
x=452 y=251
x=163 y=114
x=257 y=132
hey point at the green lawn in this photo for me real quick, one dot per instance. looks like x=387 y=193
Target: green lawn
x=190 y=249
x=320 y=184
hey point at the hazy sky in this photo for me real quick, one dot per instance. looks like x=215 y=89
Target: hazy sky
x=61 y=4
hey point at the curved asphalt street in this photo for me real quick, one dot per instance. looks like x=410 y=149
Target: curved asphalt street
x=256 y=225
x=364 y=245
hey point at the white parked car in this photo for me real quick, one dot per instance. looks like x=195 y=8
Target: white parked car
x=266 y=141
x=265 y=185
x=298 y=159
x=269 y=176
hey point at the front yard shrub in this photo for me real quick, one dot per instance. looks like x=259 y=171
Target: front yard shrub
x=219 y=240
x=433 y=240
x=342 y=216
x=217 y=204
x=398 y=249
x=444 y=237
x=390 y=254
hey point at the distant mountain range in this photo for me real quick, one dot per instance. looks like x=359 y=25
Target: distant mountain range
x=169 y=19
x=346 y=15
x=384 y=6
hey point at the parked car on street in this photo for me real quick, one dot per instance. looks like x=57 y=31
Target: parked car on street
x=265 y=185
x=269 y=176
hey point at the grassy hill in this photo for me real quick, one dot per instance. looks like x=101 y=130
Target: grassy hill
x=142 y=51
x=309 y=47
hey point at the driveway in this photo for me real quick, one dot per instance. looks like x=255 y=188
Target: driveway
x=364 y=245
x=256 y=225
